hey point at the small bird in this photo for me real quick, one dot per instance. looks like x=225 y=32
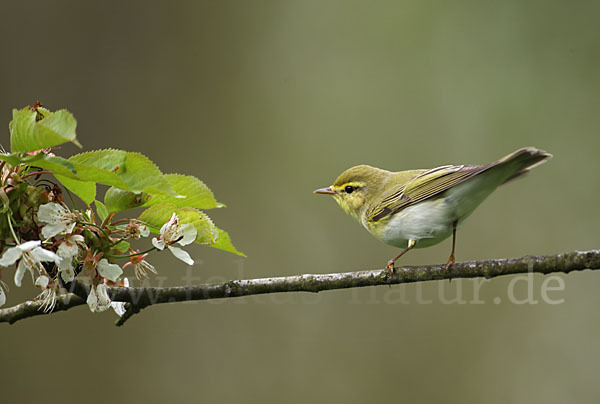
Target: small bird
x=421 y=208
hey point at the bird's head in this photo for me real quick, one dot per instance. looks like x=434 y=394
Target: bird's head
x=356 y=187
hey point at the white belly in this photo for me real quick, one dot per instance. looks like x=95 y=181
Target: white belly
x=430 y=222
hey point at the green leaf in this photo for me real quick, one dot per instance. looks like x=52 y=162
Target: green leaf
x=224 y=243
x=157 y=215
x=12 y=159
x=22 y=130
x=118 y=200
x=101 y=210
x=27 y=135
x=86 y=190
x=123 y=246
x=129 y=171
x=100 y=166
x=142 y=175
x=57 y=165
x=196 y=194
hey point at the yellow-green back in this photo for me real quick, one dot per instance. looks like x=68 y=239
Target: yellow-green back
x=371 y=194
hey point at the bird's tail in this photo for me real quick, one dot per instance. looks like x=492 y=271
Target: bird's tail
x=523 y=160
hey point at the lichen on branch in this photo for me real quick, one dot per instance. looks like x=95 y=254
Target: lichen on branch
x=138 y=298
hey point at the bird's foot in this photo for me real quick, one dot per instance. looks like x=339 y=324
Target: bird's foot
x=450 y=262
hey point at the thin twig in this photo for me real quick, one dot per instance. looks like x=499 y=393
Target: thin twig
x=138 y=298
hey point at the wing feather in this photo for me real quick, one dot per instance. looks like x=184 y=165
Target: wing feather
x=423 y=186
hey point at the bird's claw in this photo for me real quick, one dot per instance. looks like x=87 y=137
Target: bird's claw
x=450 y=263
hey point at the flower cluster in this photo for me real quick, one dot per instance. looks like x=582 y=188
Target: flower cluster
x=77 y=246
x=64 y=247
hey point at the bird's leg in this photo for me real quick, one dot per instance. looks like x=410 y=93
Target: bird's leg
x=451 y=258
x=390 y=264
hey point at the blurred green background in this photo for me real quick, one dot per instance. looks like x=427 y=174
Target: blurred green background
x=266 y=101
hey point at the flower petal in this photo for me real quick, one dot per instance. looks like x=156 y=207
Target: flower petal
x=11 y=256
x=189 y=234
x=182 y=255
x=51 y=213
x=65 y=263
x=66 y=269
x=20 y=272
x=44 y=255
x=70 y=227
x=58 y=218
x=103 y=299
x=108 y=270
x=92 y=300
x=42 y=281
x=51 y=230
x=119 y=307
x=75 y=238
x=158 y=243
x=67 y=249
x=144 y=231
x=173 y=221
x=29 y=245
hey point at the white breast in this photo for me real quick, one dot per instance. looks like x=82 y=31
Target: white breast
x=430 y=222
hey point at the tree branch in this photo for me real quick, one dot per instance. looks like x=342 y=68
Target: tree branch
x=34 y=308
x=138 y=298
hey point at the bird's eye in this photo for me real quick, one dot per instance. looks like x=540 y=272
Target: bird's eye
x=349 y=189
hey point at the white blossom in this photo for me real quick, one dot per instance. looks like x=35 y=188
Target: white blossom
x=108 y=270
x=134 y=230
x=67 y=250
x=58 y=218
x=172 y=232
x=31 y=254
x=119 y=307
x=70 y=245
x=98 y=299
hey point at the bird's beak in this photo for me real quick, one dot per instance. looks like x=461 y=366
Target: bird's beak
x=327 y=191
